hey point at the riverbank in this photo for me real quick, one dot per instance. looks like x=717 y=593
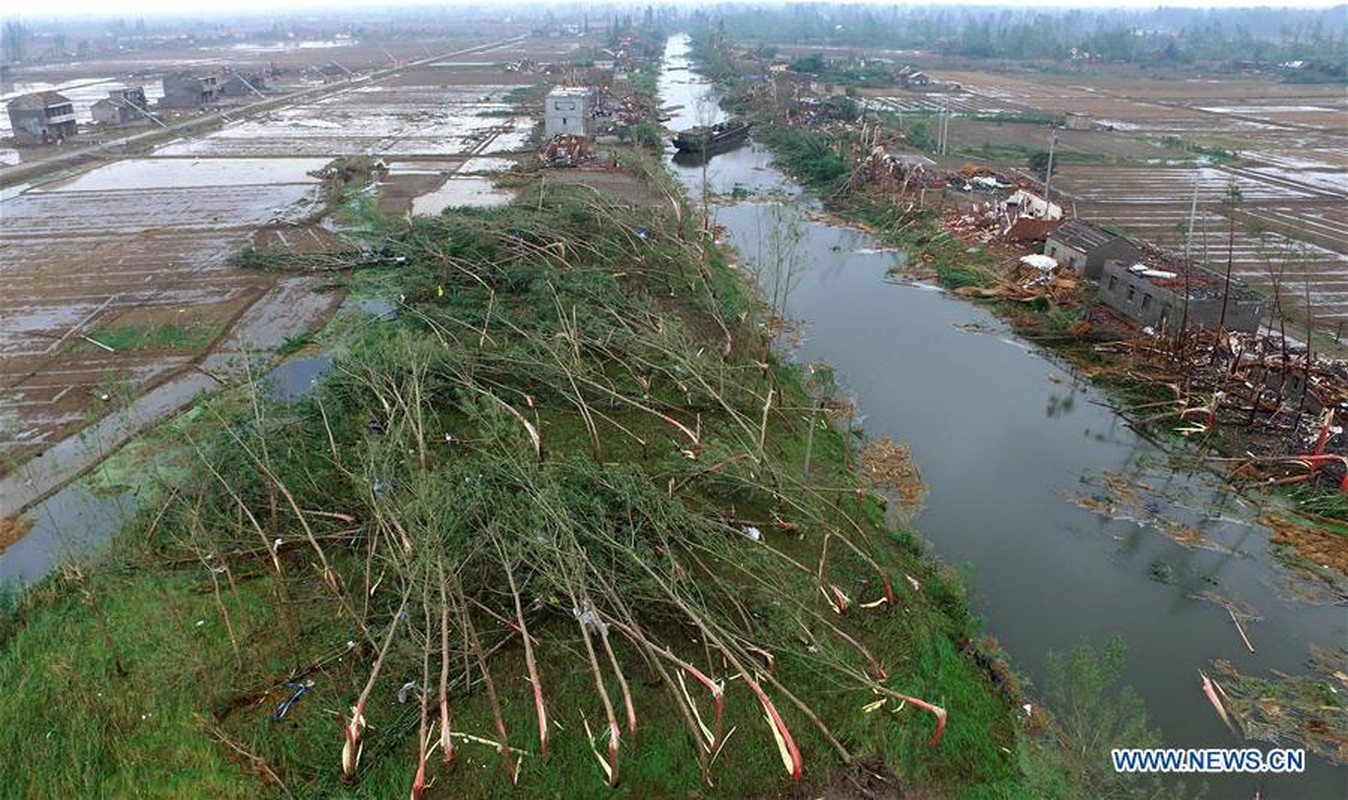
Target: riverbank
x=543 y=503
x=1060 y=509
x=1181 y=392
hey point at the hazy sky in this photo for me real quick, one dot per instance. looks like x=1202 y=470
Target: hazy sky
x=132 y=8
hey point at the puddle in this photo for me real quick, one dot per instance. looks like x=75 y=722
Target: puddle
x=295 y=379
x=461 y=191
x=286 y=47
x=421 y=168
x=70 y=523
x=374 y=306
x=486 y=164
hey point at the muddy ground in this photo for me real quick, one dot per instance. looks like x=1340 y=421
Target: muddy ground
x=119 y=275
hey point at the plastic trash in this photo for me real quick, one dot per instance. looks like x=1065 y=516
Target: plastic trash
x=752 y=534
x=284 y=706
x=588 y=618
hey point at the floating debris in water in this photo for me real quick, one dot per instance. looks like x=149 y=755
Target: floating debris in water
x=1305 y=710
x=1120 y=497
x=890 y=466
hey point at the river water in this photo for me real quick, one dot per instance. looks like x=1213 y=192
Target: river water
x=1060 y=510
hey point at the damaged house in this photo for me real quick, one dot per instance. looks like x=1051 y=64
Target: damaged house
x=121 y=107
x=1165 y=296
x=567 y=110
x=241 y=84
x=1025 y=203
x=189 y=89
x=41 y=117
x=1085 y=248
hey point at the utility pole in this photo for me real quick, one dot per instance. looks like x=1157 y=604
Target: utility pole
x=1048 y=175
x=1188 y=269
x=1231 y=202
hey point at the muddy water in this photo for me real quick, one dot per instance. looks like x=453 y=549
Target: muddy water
x=65 y=527
x=461 y=190
x=165 y=173
x=1017 y=453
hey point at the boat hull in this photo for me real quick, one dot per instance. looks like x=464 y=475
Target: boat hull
x=700 y=142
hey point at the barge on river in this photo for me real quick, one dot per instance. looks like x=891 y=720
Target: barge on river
x=712 y=138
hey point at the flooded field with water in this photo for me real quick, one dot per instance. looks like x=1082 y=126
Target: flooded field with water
x=118 y=277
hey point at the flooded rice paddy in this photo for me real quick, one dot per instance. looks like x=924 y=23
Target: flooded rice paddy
x=119 y=278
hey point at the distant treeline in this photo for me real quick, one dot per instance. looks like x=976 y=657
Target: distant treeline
x=1265 y=36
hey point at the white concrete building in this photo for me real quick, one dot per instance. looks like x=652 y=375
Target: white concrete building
x=567 y=110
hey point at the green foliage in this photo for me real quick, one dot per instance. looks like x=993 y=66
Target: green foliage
x=294 y=344
x=1063 y=41
x=648 y=134
x=808 y=156
x=1094 y=713
x=813 y=63
x=264 y=259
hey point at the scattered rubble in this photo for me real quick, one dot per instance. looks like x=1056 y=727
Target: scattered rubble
x=566 y=150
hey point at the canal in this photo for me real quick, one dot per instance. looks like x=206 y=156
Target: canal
x=1070 y=523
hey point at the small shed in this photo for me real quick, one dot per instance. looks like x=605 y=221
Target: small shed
x=41 y=117
x=1085 y=248
x=1078 y=121
x=567 y=110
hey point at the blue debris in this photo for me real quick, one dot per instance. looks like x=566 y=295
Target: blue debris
x=285 y=705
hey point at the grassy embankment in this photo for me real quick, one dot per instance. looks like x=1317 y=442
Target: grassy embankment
x=561 y=440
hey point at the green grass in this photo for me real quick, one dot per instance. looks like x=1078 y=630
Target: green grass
x=506 y=307
x=76 y=728
x=162 y=337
